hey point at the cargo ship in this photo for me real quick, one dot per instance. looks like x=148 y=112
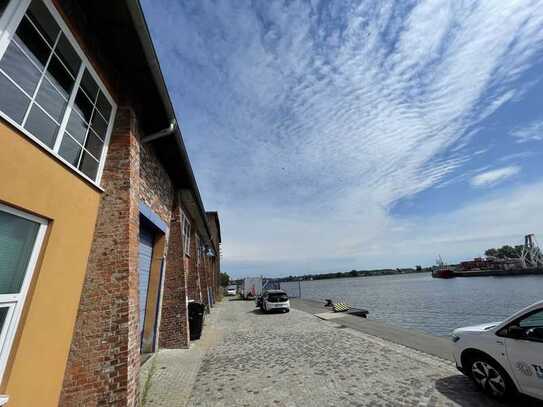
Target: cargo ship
x=529 y=261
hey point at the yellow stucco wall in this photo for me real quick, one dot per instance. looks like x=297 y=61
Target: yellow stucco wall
x=33 y=180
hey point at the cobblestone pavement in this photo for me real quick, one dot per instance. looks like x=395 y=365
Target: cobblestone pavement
x=296 y=359
x=167 y=379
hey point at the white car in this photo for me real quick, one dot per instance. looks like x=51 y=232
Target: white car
x=231 y=290
x=504 y=358
x=274 y=300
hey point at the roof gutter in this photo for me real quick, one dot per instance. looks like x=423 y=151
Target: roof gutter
x=142 y=29
x=162 y=133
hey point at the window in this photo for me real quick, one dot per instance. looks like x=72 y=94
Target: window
x=200 y=251
x=49 y=90
x=534 y=320
x=21 y=236
x=3 y=5
x=186 y=233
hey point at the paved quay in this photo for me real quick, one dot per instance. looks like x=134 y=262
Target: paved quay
x=247 y=358
x=433 y=345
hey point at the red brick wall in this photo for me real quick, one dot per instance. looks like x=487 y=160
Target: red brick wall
x=173 y=331
x=103 y=364
x=202 y=272
x=193 y=279
x=156 y=189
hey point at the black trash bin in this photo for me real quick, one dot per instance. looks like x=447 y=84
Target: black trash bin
x=196 y=319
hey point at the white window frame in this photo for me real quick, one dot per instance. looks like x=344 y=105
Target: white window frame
x=185 y=230
x=15 y=302
x=9 y=22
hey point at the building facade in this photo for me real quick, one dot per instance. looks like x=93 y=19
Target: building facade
x=104 y=239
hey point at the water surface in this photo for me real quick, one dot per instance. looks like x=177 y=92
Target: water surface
x=432 y=305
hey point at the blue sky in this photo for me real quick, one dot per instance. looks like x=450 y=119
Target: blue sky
x=333 y=136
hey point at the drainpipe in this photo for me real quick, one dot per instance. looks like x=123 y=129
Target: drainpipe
x=162 y=133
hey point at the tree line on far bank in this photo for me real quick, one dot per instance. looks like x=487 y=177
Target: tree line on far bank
x=357 y=273
x=504 y=252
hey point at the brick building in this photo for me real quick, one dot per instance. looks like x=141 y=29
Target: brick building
x=93 y=165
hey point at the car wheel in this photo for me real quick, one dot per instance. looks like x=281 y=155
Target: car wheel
x=491 y=377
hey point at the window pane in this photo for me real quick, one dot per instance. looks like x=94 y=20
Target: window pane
x=68 y=55
x=89 y=166
x=13 y=102
x=77 y=127
x=41 y=126
x=89 y=85
x=70 y=150
x=3 y=315
x=32 y=43
x=533 y=321
x=17 y=237
x=43 y=20
x=103 y=106
x=3 y=5
x=83 y=105
x=99 y=125
x=62 y=78
x=49 y=98
x=94 y=144
x=20 y=69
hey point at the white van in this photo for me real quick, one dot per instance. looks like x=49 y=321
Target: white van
x=504 y=358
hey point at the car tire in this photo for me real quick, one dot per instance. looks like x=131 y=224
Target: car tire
x=490 y=377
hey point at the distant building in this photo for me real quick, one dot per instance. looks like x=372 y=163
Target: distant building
x=103 y=235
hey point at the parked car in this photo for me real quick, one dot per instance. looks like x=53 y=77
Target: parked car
x=504 y=358
x=274 y=300
x=231 y=290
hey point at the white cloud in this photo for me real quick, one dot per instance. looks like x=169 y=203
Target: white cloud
x=305 y=129
x=531 y=132
x=490 y=221
x=519 y=156
x=493 y=177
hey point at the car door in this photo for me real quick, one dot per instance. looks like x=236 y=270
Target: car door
x=525 y=353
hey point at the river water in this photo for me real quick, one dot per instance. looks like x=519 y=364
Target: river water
x=432 y=305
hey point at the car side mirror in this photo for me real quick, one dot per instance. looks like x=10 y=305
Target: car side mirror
x=515 y=332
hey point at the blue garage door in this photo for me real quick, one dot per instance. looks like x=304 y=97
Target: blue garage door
x=145 y=256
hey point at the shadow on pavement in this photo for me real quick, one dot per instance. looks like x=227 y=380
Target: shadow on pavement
x=258 y=311
x=462 y=391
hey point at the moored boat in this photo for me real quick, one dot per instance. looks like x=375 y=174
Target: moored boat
x=442 y=270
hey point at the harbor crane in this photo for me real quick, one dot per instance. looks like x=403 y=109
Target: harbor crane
x=531 y=256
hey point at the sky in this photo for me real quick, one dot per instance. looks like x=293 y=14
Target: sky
x=343 y=135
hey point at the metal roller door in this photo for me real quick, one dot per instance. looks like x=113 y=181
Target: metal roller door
x=145 y=257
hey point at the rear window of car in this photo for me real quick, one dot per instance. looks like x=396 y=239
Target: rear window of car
x=280 y=297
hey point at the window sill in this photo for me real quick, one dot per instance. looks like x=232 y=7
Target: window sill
x=3 y=399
